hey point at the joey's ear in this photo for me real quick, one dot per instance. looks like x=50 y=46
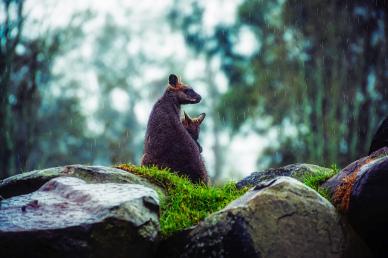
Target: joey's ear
x=187 y=117
x=200 y=119
x=173 y=80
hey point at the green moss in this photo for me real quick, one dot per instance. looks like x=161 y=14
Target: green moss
x=315 y=180
x=185 y=203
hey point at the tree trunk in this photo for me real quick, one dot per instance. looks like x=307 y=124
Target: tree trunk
x=7 y=50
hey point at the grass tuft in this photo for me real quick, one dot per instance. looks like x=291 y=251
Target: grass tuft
x=316 y=179
x=185 y=203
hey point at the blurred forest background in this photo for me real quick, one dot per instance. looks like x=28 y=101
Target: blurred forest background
x=282 y=81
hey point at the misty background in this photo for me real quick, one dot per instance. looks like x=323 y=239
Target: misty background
x=282 y=81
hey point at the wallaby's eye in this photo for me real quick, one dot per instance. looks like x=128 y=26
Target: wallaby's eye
x=186 y=91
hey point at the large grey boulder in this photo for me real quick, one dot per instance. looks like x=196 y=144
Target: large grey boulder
x=68 y=217
x=296 y=171
x=31 y=181
x=278 y=218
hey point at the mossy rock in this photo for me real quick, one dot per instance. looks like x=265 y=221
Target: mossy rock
x=280 y=217
x=185 y=203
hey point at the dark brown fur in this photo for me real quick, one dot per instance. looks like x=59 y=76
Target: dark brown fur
x=167 y=143
x=192 y=126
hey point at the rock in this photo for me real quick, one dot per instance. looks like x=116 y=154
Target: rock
x=68 y=217
x=31 y=181
x=360 y=191
x=342 y=178
x=294 y=170
x=173 y=245
x=280 y=218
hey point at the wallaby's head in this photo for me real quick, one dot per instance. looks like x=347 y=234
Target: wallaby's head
x=192 y=125
x=183 y=93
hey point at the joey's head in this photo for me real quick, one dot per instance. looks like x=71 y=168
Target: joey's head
x=183 y=93
x=192 y=125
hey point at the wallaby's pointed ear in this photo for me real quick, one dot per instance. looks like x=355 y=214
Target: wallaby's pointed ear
x=187 y=117
x=173 y=80
x=199 y=119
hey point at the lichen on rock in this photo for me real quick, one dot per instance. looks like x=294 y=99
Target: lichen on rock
x=360 y=192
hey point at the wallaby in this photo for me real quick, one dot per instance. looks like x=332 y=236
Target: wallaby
x=192 y=126
x=167 y=143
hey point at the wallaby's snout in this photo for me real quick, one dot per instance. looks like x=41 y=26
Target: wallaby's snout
x=191 y=96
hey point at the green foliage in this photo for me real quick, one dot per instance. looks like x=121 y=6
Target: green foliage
x=314 y=180
x=185 y=203
x=335 y=168
x=309 y=52
x=38 y=128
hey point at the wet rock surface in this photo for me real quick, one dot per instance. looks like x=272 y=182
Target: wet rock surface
x=68 y=217
x=360 y=192
x=31 y=181
x=281 y=218
x=352 y=169
x=294 y=170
